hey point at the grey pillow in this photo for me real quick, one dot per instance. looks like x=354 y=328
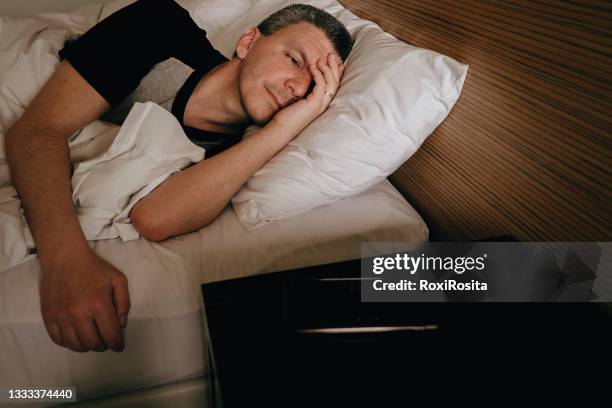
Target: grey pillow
x=160 y=85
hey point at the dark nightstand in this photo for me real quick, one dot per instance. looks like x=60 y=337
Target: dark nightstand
x=304 y=338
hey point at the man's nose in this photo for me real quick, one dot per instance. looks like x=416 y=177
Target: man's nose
x=299 y=85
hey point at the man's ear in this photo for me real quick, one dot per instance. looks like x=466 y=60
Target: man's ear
x=246 y=42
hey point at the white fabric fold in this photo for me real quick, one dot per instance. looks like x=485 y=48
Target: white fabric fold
x=149 y=148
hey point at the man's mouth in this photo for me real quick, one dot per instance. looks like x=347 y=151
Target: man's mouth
x=273 y=97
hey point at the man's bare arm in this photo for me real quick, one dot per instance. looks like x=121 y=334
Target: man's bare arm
x=77 y=287
x=195 y=197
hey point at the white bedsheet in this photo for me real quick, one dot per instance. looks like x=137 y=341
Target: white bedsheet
x=164 y=333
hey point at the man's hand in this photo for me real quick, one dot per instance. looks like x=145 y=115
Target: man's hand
x=327 y=75
x=85 y=303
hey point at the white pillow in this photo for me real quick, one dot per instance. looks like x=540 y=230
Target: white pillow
x=28 y=57
x=214 y=15
x=392 y=96
x=210 y=15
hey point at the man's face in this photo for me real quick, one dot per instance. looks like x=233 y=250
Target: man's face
x=275 y=74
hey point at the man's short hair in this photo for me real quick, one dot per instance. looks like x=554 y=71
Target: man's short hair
x=297 y=13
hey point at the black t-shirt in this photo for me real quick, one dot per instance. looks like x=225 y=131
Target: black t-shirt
x=115 y=54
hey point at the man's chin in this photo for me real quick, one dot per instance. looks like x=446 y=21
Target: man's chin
x=262 y=121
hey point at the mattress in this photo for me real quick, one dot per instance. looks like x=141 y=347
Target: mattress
x=164 y=337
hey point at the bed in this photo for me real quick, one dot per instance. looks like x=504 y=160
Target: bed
x=482 y=174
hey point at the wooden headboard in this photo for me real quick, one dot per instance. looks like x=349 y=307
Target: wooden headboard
x=526 y=150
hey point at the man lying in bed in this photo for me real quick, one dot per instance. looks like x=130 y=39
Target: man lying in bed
x=283 y=75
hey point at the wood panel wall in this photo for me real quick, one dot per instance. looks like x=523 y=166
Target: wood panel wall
x=526 y=150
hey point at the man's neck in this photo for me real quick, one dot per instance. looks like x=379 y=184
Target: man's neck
x=215 y=104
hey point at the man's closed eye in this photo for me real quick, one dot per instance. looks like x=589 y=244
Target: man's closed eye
x=293 y=60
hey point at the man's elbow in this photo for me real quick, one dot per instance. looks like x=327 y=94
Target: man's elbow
x=23 y=135
x=148 y=224
x=156 y=225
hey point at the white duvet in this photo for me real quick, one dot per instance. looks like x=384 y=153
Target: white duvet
x=28 y=57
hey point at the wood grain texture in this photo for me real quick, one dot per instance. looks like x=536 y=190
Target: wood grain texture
x=527 y=148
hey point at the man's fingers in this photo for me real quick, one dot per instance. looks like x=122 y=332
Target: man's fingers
x=121 y=298
x=329 y=77
x=70 y=337
x=54 y=332
x=319 y=88
x=89 y=335
x=334 y=64
x=107 y=322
